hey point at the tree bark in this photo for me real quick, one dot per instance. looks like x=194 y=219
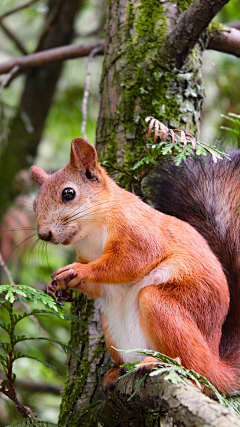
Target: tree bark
x=225 y=40
x=83 y=392
x=137 y=82
x=27 y=126
x=161 y=400
x=38 y=59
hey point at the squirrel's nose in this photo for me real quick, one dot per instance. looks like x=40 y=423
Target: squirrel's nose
x=45 y=235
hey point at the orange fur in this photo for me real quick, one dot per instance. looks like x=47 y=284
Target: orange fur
x=125 y=246
x=115 y=355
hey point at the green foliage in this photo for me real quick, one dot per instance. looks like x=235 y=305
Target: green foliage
x=176 y=373
x=178 y=151
x=21 y=293
x=230 y=12
x=30 y=423
x=173 y=142
x=6 y=113
x=235 y=119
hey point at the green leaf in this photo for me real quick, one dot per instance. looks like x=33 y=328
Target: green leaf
x=6 y=326
x=145 y=161
x=7 y=305
x=65 y=347
x=48 y=365
x=237 y=116
x=229 y=118
x=6 y=346
x=172 y=376
x=233 y=131
x=35 y=295
x=4 y=383
x=4 y=361
x=61 y=315
x=138 y=385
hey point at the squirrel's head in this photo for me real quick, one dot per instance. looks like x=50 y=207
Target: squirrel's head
x=68 y=203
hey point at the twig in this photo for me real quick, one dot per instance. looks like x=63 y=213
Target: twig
x=225 y=40
x=17 y=9
x=47 y=26
x=12 y=37
x=94 y=52
x=6 y=270
x=51 y=55
x=233 y=24
x=9 y=77
x=10 y=392
x=38 y=387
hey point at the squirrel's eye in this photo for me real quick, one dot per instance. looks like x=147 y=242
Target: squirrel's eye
x=68 y=194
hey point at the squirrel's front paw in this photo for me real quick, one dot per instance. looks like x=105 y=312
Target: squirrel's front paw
x=67 y=277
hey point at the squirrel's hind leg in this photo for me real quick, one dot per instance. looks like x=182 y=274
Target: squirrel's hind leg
x=170 y=329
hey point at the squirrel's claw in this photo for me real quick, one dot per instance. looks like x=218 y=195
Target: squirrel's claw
x=63 y=295
x=67 y=277
x=59 y=294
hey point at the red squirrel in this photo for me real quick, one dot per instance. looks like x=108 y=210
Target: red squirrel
x=160 y=285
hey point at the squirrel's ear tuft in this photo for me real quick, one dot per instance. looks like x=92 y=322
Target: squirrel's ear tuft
x=83 y=155
x=39 y=175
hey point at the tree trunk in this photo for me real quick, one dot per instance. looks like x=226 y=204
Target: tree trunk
x=83 y=391
x=139 y=80
x=27 y=126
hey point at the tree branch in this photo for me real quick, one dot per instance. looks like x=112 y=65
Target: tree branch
x=12 y=37
x=93 y=52
x=190 y=26
x=225 y=40
x=51 y=55
x=233 y=24
x=184 y=403
x=17 y=9
x=38 y=387
x=49 y=24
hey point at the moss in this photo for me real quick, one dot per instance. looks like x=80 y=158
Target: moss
x=150 y=85
x=182 y=4
x=215 y=26
x=149 y=88
x=110 y=155
x=73 y=391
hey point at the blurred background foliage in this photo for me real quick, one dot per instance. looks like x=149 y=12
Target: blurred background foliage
x=222 y=85
x=30 y=262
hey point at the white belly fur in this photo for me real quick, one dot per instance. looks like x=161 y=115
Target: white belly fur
x=120 y=305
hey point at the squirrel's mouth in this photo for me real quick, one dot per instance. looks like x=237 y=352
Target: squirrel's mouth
x=69 y=240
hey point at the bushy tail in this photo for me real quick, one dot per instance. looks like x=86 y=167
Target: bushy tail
x=207 y=195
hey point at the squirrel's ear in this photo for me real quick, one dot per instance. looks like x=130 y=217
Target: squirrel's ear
x=83 y=155
x=39 y=175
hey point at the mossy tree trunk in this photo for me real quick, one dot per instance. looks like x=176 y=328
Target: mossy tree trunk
x=140 y=78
